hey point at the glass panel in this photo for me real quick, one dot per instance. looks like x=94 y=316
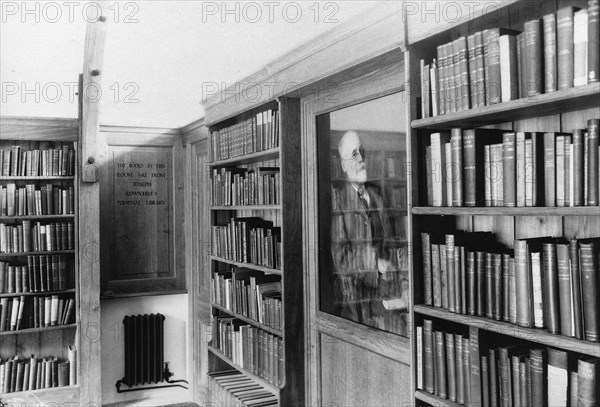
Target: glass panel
x=363 y=249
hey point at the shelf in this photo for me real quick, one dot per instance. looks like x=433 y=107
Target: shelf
x=35 y=330
x=38 y=178
x=401 y=211
x=246 y=207
x=264 y=327
x=541 y=105
x=505 y=328
x=251 y=266
x=21 y=254
x=39 y=293
x=435 y=400
x=504 y=211
x=272 y=388
x=248 y=158
x=67 y=395
x=36 y=217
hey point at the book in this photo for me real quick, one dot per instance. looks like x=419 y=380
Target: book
x=428 y=355
x=593 y=166
x=564 y=46
x=588 y=260
x=476 y=372
x=509 y=169
x=588 y=393
x=558 y=378
x=491 y=39
x=565 y=289
x=550 y=282
x=550 y=79
x=580 y=47
x=450 y=366
x=539 y=374
x=533 y=58
x=456 y=172
x=508 y=67
x=439 y=168
x=593 y=40
x=440 y=358
x=426 y=259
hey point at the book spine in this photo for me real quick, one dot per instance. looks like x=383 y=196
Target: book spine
x=470 y=169
x=551 y=297
x=458 y=359
x=492 y=66
x=450 y=273
x=533 y=54
x=538 y=367
x=593 y=41
x=564 y=290
x=509 y=169
x=588 y=394
x=521 y=169
x=508 y=67
x=580 y=33
x=550 y=81
x=428 y=355
x=471 y=284
x=576 y=289
x=588 y=267
x=577 y=160
x=480 y=67
x=436 y=275
x=441 y=364
x=476 y=374
x=481 y=283
x=457 y=167
x=564 y=45
x=558 y=378
x=549 y=169
x=427 y=279
x=593 y=167
x=523 y=284
x=450 y=366
x=463 y=73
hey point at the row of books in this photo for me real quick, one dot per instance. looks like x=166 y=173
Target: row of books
x=232 y=388
x=258 y=133
x=29 y=201
x=250 y=348
x=486 y=167
x=16 y=161
x=248 y=240
x=496 y=65
x=42 y=273
x=26 y=312
x=249 y=293
x=246 y=186
x=25 y=238
x=549 y=282
x=35 y=373
x=467 y=371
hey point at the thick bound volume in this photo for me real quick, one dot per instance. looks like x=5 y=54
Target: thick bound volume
x=428 y=355
x=550 y=80
x=593 y=166
x=533 y=58
x=588 y=385
x=474 y=141
x=588 y=263
x=491 y=38
x=565 y=289
x=476 y=375
x=509 y=168
x=558 y=377
x=539 y=373
x=564 y=45
x=550 y=283
x=427 y=280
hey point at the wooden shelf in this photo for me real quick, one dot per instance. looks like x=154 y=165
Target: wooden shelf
x=248 y=158
x=504 y=211
x=36 y=217
x=505 y=328
x=266 y=270
x=246 y=207
x=257 y=324
x=37 y=178
x=272 y=388
x=435 y=400
x=34 y=330
x=21 y=254
x=40 y=293
x=541 y=105
x=54 y=395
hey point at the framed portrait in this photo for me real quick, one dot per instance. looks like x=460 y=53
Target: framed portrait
x=363 y=245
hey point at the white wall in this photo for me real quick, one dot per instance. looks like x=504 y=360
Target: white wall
x=174 y=308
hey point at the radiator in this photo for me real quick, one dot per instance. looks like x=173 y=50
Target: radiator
x=144 y=349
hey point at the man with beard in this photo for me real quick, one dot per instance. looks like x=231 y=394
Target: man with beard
x=367 y=286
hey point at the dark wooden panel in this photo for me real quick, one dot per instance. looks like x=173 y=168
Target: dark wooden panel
x=354 y=376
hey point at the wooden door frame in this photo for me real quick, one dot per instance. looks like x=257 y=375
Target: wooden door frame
x=374 y=79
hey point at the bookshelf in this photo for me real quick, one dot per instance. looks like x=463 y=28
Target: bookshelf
x=559 y=111
x=39 y=261
x=255 y=254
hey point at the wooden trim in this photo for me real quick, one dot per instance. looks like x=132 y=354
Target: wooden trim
x=502 y=211
x=139 y=130
x=369 y=36
x=435 y=400
x=67 y=395
x=142 y=139
x=36 y=128
x=89 y=215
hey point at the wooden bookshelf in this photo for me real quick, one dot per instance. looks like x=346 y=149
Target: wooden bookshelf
x=287 y=217
x=46 y=341
x=556 y=111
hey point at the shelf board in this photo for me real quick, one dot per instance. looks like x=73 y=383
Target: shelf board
x=36 y=217
x=37 y=178
x=246 y=207
x=435 y=400
x=248 y=158
x=54 y=395
x=504 y=211
x=541 y=105
x=21 y=254
x=39 y=293
x=34 y=330
x=257 y=324
x=272 y=388
x=502 y=327
x=251 y=266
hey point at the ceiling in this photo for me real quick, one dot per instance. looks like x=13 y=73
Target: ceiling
x=160 y=55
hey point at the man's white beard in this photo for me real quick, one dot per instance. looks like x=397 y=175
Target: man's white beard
x=359 y=177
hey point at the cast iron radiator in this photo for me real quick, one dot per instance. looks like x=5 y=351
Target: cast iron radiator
x=144 y=349
x=144 y=353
